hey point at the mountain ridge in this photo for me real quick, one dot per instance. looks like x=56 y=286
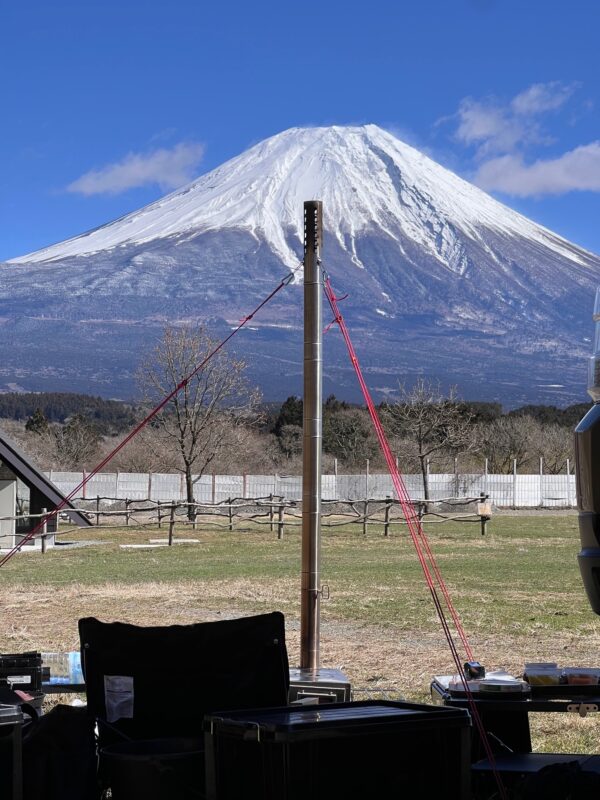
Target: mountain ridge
x=442 y=279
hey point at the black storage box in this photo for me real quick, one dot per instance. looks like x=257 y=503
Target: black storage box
x=11 y=766
x=342 y=750
x=21 y=671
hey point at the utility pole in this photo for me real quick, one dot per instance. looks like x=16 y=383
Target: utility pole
x=312 y=438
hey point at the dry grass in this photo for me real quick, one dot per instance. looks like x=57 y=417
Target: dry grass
x=379 y=626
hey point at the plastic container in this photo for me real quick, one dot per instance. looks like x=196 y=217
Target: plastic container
x=338 y=751
x=580 y=676
x=156 y=769
x=542 y=674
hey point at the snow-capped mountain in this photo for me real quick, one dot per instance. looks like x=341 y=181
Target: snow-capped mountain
x=442 y=279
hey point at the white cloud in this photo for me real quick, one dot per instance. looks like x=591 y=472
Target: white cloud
x=503 y=133
x=542 y=97
x=494 y=127
x=489 y=126
x=576 y=170
x=168 y=168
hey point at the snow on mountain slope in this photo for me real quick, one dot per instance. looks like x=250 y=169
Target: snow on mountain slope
x=442 y=279
x=368 y=181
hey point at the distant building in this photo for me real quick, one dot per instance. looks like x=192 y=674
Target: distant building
x=36 y=493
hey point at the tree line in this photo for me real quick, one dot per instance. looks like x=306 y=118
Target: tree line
x=218 y=423
x=108 y=416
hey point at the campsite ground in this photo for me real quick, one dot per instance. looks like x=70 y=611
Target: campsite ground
x=517 y=589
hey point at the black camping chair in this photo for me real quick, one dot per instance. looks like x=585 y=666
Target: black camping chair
x=150 y=683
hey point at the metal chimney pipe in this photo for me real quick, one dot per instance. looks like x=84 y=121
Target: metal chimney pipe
x=312 y=438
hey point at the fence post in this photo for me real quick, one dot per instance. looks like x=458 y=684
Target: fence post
x=158 y=512
x=84 y=487
x=44 y=528
x=214 y=488
x=485 y=477
x=569 y=501
x=335 y=467
x=97 y=509
x=127 y=501
x=171 y=523
x=541 y=482
x=230 y=511
x=483 y=518
x=366 y=506
x=280 y=521
x=456 y=482
x=149 y=486
x=514 y=502
x=117 y=476
x=386 y=523
x=271 y=513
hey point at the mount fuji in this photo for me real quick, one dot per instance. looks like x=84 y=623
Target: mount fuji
x=442 y=280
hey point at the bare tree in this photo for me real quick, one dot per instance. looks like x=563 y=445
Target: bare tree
x=137 y=455
x=509 y=440
x=290 y=440
x=348 y=435
x=203 y=419
x=429 y=423
x=74 y=445
x=555 y=446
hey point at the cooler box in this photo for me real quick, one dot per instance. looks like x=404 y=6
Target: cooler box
x=344 y=750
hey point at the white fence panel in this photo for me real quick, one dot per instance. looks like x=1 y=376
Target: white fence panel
x=104 y=484
x=556 y=491
x=132 y=486
x=289 y=486
x=351 y=487
x=380 y=487
x=328 y=487
x=414 y=486
x=203 y=489
x=527 y=491
x=441 y=486
x=166 y=487
x=65 y=481
x=504 y=491
x=227 y=486
x=471 y=485
x=261 y=485
x=500 y=489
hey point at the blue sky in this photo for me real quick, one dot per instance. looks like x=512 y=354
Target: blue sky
x=105 y=106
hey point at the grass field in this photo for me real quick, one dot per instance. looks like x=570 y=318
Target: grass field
x=517 y=589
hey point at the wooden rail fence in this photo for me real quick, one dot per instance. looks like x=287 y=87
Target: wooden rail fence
x=275 y=512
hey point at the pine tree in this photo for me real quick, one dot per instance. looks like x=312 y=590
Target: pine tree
x=37 y=422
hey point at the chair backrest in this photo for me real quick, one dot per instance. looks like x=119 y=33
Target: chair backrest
x=150 y=682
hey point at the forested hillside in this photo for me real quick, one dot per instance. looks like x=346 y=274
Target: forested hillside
x=108 y=416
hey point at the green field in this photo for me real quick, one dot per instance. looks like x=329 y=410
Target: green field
x=518 y=592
